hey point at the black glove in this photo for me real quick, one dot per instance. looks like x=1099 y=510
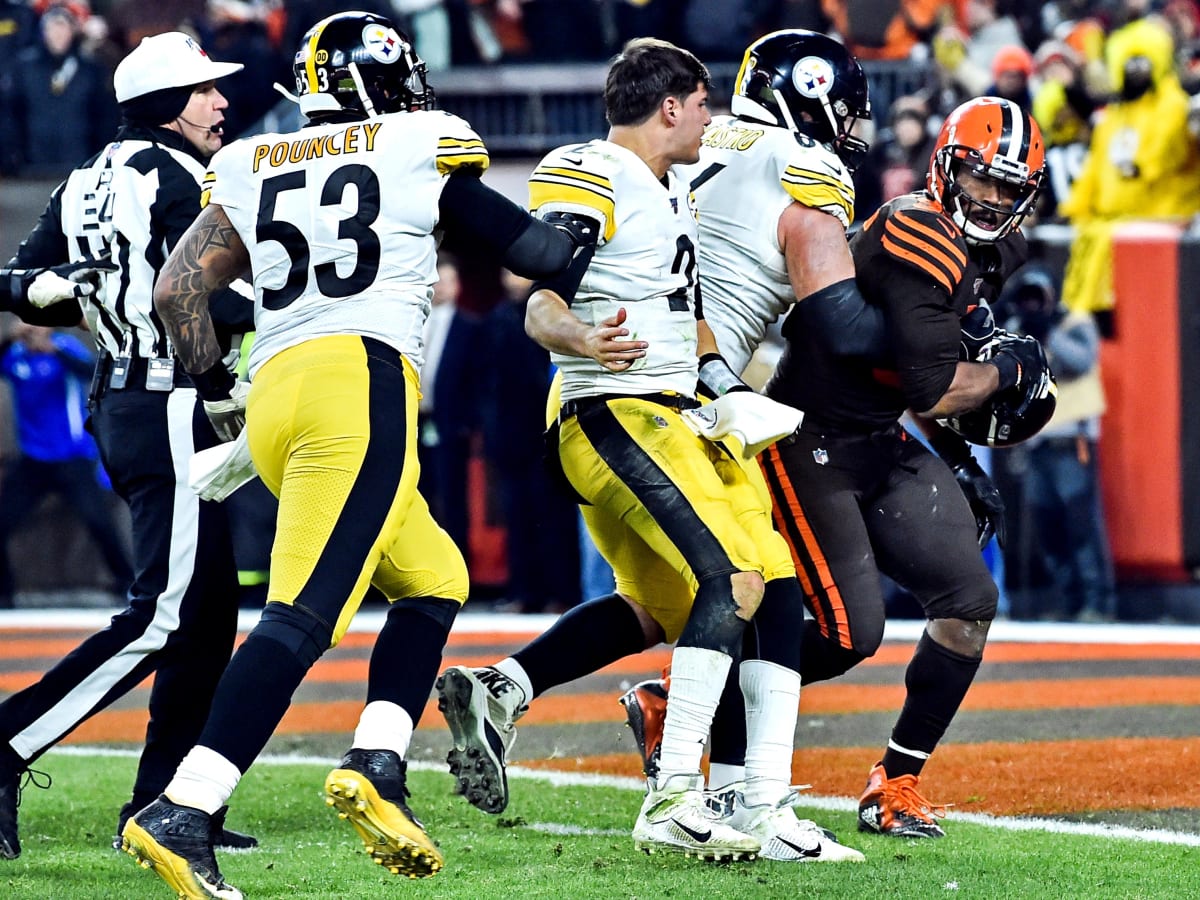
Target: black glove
x=985 y=501
x=1023 y=365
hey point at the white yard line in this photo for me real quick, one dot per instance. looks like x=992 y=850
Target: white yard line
x=513 y=623
x=835 y=804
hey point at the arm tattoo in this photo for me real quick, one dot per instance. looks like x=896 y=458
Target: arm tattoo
x=208 y=257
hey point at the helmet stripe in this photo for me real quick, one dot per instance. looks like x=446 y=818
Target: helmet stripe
x=1014 y=140
x=310 y=59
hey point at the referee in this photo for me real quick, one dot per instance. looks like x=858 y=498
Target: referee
x=132 y=202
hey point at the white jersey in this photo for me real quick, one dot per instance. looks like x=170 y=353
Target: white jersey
x=645 y=261
x=748 y=174
x=339 y=222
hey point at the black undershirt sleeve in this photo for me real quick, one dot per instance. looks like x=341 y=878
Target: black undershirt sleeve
x=475 y=212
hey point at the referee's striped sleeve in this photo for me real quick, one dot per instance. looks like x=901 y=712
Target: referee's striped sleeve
x=568 y=187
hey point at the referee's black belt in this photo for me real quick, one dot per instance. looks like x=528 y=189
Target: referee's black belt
x=135 y=375
x=663 y=398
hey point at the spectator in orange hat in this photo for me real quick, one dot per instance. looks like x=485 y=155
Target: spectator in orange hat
x=1012 y=67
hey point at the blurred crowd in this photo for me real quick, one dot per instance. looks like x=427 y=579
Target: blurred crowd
x=1114 y=85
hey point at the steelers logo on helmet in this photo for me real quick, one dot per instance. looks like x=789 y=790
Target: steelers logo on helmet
x=813 y=76
x=382 y=43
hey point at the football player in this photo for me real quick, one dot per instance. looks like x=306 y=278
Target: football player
x=853 y=382
x=336 y=225
x=688 y=535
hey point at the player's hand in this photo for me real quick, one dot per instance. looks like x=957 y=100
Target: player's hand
x=1023 y=365
x=73 y=281
x=985 y=501
x=611 y=344
x=228 y=416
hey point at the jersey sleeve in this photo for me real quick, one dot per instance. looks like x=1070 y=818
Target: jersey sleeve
x=459 y=147
x=220 y=183
x=923 y=239
x=574 y=182
x=817 y=178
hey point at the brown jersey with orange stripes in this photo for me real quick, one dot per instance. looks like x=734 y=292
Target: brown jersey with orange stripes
x=913 y=261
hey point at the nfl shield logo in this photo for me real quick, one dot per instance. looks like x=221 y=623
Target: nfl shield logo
x=821 y=457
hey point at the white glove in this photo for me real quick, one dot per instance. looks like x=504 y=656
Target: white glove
x=72 y=281
x=754 y=420
x=217 y=472
x=228 y=417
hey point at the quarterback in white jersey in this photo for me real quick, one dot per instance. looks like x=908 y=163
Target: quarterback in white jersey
x=336 y=225
x=645 y=263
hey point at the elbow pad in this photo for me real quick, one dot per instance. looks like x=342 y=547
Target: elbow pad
x=844 y=320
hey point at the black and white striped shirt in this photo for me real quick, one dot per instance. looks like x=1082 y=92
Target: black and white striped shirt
x=133 y=201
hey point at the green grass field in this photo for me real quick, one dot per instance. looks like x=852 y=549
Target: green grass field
x=561 y=842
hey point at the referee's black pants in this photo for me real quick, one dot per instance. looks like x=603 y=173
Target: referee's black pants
x=181 y=618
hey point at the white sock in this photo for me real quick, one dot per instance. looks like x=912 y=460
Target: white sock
x=383 y=725
x=513 y=670
x=772 y=695
x=204 y=780
x=721 y=775
x=697 y=679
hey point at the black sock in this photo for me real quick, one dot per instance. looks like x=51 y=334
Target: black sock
x=727 y=740
x=937 y=680
x=584 y=639
x=254 y=693
x=406 y=659
x=779 y=623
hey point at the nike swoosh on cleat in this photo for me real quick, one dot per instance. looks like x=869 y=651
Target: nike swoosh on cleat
x=803 y=851
x=698 y=836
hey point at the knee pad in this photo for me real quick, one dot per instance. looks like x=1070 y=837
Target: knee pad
x=297 y=629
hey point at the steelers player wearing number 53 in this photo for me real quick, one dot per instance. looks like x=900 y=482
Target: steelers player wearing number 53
x=335 y=224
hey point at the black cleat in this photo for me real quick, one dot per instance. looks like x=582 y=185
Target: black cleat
x=225 y=838
x=176 y=842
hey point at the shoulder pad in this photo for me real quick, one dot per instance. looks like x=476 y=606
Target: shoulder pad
x=815 y=177
x=920 y=236
x=459 y=147
x=571 y=179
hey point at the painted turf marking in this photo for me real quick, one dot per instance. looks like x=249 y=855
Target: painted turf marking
x=834 y=804
x=513 y=623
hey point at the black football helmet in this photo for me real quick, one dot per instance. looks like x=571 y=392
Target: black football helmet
x=1011 y=416
x=359 y=63
x=808 y=83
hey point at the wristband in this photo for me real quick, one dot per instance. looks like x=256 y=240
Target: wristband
x=214 y=383
x=1009 y=368
x=717 y=377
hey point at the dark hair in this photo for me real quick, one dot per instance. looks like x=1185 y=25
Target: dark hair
x=645 y=73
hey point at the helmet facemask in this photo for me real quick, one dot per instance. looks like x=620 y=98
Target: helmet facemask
x=980 y=221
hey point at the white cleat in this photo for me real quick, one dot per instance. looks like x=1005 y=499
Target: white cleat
x=675 y=819
x=787 y=838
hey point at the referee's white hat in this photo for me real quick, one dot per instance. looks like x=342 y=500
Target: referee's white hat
x=162 y=61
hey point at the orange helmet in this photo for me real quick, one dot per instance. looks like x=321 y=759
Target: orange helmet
x=991 y=139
